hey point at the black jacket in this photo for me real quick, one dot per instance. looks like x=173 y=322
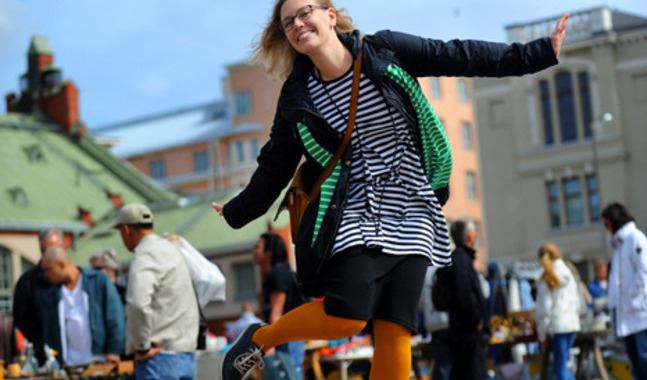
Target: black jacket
x=28 y=300
x=468 y=307
x=418 y=57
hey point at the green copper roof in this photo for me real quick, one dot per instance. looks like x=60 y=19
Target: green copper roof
x=47 y=176
x=39 y=45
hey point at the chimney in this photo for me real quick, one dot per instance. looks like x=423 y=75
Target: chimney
x=43 y=90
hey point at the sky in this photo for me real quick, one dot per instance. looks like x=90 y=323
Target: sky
x=136 y=58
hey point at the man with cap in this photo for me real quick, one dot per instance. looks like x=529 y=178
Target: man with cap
x=162 y=315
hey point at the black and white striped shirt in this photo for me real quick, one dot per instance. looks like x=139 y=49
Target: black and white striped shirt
x=390 y=202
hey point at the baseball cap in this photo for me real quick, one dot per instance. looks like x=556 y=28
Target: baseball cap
x=134 y=213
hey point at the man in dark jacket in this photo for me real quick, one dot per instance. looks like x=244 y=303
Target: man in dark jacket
x=29 y=297
x=468 y=314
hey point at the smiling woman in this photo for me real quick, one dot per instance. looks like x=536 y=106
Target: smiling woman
x=378 y=220
x=276 y=52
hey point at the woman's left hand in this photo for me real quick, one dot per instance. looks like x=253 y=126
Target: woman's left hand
x=558 y=34
x=218 y=207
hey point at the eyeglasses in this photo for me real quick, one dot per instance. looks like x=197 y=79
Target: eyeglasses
x=302 y=14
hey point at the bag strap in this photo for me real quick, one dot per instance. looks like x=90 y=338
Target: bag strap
x=357 y=67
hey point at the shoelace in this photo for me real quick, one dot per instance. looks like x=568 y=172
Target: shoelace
x=246 y=361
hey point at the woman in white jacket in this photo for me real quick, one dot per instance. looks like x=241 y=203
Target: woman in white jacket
x=558 y=307
x=627 y=285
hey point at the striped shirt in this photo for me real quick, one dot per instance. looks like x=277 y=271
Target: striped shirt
x=390 y=202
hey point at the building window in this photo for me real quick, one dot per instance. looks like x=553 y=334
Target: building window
x=201 y=161
x=573 y=202
x=553 y=203
x=546 y=112
x=243 y=103
x=240 y=151
x=569 y=90
x=245 y=280
x=593 y=197
x=466 y=133
x=585 y=101
x=34 y=153
x=6 y=279
x=435 y=88
x=256 y=147
x=470 y=180
x=158 y=169
x=566 y=106
x=463 y=91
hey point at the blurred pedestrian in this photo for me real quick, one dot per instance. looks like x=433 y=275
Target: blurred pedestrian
x=162 y=314
x=107 y=261
x=437 y=324
x=378 y=220
x=84 y=318
x=280 y=291
x=558 y=309
x=598 y=286
x=247 y=317
x=29 y=297
x=469 y=320
x=627 y=295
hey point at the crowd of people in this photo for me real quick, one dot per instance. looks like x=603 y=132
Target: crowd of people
x=80 y=313
x=619 y=287
x=89 y=315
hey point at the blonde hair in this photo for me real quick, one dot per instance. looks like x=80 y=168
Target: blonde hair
x=547 y=254
x=274 y=50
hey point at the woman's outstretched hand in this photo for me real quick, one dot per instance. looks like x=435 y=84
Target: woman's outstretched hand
x=218 y=207
x=558 y=34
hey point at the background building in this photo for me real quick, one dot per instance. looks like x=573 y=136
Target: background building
x=558 y=145
x=53 y=173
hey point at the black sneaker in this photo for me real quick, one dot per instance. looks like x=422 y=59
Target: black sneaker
x=243 y=356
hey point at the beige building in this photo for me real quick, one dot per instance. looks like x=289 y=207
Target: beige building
x=558 y=145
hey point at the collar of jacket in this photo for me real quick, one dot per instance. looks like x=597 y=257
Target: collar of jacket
x=626 y=230
x=469 y=250
x=86 y=273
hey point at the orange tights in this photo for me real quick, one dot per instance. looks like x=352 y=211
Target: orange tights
x=391 y=355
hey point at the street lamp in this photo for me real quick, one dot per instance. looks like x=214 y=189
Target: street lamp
x=595 y=130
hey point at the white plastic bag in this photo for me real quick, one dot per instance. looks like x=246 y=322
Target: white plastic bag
x=208 y=280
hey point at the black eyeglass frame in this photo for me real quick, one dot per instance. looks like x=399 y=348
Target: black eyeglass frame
x=299 y=12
